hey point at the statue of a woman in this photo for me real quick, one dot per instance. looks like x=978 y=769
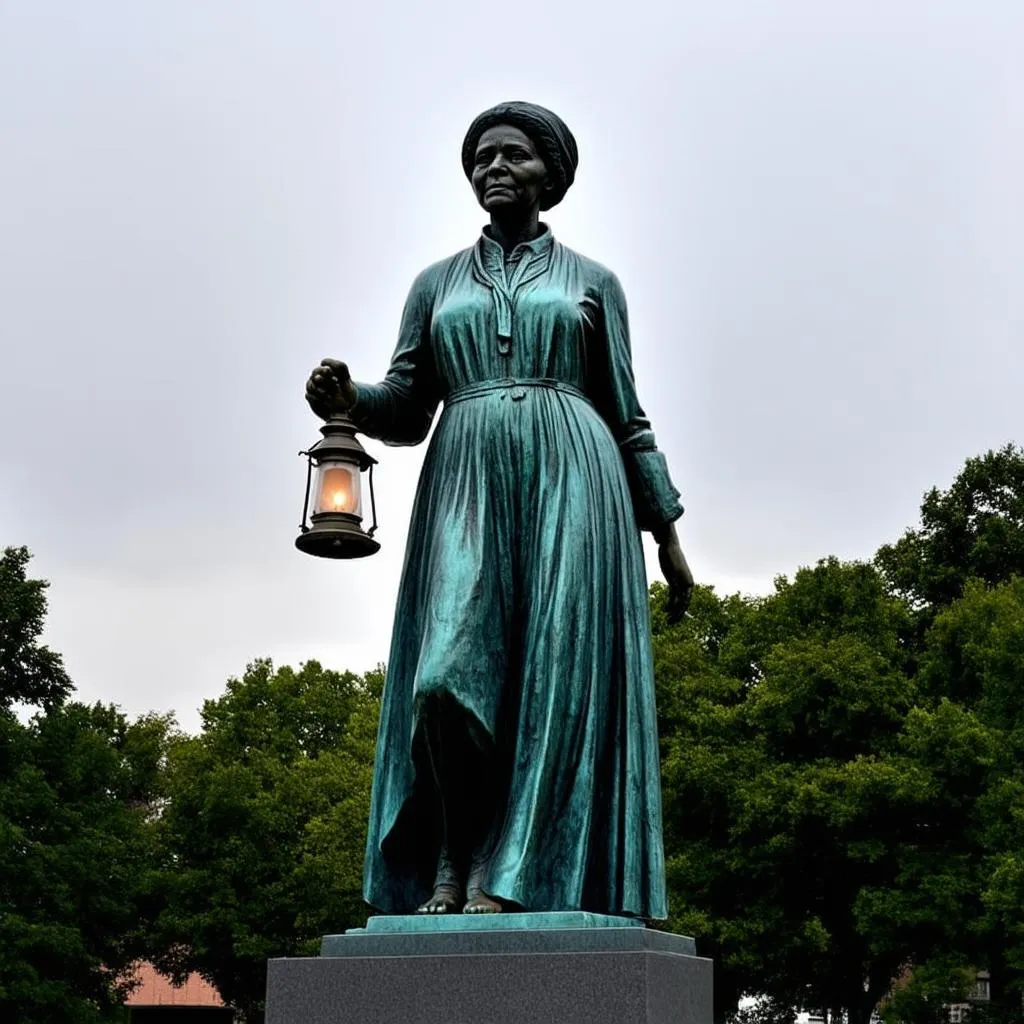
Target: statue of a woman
x=517 y=759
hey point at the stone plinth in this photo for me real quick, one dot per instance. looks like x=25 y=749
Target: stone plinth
x=502 y=969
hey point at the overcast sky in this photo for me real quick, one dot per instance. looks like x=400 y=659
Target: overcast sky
x=816 y=208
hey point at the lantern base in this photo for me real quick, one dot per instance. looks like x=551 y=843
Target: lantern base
x=336 y=540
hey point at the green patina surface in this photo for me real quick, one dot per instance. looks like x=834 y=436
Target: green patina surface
x=522 y=612
x=425 y=923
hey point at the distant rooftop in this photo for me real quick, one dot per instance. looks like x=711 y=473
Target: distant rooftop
x=156 y=990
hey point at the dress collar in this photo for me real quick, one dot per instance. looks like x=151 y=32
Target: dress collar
x=494 y=256
x=527 y=261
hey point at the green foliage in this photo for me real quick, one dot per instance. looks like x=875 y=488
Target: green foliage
x=975 y=657
x=29 y=673
x=842 y=769
x=925 y=993
x=75 y=842
x=974 y=530
x=77 y=787
x=265 y=826
x=788 y=800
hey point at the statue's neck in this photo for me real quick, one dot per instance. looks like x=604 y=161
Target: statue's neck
x=510 y=232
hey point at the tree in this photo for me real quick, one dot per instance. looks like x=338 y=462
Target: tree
x=973 y=662
x=794 y=809
x=962 y=569
x=265 y=827
x=77 y=790
x=973 y=530
x=29 y=672
x=843 y=770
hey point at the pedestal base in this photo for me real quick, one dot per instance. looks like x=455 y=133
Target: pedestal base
x=617 y=972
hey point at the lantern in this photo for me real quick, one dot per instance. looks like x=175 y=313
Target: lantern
x=335 y=527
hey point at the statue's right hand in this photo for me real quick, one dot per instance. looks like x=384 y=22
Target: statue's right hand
x=329 y=390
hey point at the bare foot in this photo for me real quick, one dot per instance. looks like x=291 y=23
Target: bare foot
x=444 y=901
x=481 y=903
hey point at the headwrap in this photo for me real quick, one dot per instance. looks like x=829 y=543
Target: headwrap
x=548 y=132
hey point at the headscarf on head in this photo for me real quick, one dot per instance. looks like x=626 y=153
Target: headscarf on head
x=549 y=133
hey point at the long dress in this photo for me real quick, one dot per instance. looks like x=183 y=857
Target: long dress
x=523 y=598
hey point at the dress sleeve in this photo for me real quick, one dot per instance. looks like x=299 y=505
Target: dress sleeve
x=399 y=410
x=655 y=498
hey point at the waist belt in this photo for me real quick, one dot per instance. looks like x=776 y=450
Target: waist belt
x=515 y=388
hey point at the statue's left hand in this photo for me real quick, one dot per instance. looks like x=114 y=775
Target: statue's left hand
x=677 y=572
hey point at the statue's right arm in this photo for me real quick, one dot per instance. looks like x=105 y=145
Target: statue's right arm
x=399 y=410
x=330 y=390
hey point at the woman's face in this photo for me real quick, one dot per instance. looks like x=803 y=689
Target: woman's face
x=508 y=173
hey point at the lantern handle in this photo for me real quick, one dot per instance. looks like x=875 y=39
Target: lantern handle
x=373 y=502
x=303 y=528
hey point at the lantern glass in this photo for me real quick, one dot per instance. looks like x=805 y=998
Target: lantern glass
x=338 y=489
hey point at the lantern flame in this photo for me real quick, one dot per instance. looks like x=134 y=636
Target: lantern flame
x=339 y=490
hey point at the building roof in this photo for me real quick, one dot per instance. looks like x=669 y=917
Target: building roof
x=156 y=990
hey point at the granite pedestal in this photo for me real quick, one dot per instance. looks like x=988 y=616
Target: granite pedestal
x=569 y=968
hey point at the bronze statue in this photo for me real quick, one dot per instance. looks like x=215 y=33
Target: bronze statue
x=517 y=759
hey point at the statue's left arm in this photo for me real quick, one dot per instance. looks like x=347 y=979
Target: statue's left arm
x=655 y=497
